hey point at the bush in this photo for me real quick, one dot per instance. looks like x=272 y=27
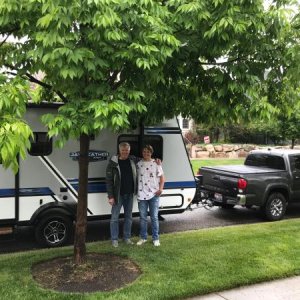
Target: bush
x=191 y=137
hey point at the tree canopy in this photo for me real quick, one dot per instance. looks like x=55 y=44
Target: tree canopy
x=233 y=57
x=207 y=59
x=114 y=62
x=94 y=56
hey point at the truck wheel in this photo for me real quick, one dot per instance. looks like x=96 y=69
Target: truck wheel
x=275 y=207
x=54 y=231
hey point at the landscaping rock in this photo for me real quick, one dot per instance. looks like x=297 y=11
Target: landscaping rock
x=209 y=148
x=227 y=148
x=218 y=148
x=232 y=154
x=242 y=153
x=202 y=154
x=219 y=155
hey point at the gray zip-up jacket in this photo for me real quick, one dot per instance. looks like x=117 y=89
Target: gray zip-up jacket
x=113 y=177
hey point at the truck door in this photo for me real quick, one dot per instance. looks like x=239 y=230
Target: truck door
x=295 y=169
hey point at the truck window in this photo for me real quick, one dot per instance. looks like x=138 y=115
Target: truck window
x=265 y=160
x=40 y=144
x=136 y=144
x=295 y=163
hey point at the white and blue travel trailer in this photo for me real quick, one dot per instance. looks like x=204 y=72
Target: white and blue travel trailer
x=44 y=192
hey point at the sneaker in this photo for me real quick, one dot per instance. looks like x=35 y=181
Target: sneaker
x=141 y=242
x=128 y=242
x=115 y=243
x=156 y=243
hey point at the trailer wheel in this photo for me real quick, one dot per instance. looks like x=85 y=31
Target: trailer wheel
x=275 y=207
x=54 y=230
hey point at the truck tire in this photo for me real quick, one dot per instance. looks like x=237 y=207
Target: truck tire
x=275 y=207
x=54 y=230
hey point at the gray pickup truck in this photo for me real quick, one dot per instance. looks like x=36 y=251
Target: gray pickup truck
x=269 y=179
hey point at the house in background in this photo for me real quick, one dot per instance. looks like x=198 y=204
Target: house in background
x=186 y=124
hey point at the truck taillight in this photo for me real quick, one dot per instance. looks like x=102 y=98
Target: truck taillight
x=242 y=184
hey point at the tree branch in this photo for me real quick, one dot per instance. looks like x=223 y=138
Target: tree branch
x=224 y=62
x=7 y=33
x=239 y=58
x=46 y=85
x=39 y=82
x=2 y=43
x=113 y=77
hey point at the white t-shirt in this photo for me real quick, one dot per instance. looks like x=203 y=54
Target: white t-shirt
x=149 y=173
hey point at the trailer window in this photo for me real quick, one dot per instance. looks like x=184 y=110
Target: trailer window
x=185 y=123
x=40 y=144
x=136 y=144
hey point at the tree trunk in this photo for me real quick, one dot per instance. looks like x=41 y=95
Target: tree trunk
x=81 y=219
x=293 y=143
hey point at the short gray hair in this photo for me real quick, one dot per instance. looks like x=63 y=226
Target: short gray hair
x=124 y=145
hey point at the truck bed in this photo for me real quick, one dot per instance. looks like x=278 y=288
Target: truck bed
x=240 y=169
x=223 y=179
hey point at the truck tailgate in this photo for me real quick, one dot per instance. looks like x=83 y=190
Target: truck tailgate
x=224 y=179
x=219 y=183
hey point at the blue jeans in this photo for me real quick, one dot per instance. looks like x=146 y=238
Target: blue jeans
x=153 y=205
x=126 y=201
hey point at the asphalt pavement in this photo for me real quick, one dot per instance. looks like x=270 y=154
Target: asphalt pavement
x=198 y=218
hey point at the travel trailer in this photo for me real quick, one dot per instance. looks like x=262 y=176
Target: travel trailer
x=44 y=192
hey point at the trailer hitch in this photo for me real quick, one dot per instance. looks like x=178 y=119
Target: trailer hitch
x=202 y=203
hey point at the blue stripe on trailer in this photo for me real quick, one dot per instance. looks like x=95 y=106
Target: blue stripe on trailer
x=7 y=192
x=93 y=187
x=25 y=192
x=163 y=130
x=179 y=184
x=100 y=187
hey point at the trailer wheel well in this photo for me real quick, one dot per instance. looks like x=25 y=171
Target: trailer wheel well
x=53 y=212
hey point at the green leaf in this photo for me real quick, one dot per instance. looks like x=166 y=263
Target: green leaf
x=45 y=21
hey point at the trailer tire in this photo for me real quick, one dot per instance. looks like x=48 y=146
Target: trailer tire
x=54 y=230
x=275 y=207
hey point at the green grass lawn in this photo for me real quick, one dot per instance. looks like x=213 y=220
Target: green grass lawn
x=198 y=163
x=186 y=264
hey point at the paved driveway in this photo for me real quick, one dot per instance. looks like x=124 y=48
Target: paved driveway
x=189 y=220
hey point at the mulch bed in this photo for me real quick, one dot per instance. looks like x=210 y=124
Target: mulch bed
x=101 y=272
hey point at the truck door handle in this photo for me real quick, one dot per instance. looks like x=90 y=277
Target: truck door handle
x=216 y=177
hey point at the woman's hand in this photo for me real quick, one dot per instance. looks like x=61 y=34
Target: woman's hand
x=158 y=192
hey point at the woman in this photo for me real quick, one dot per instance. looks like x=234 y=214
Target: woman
x=150 y=186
